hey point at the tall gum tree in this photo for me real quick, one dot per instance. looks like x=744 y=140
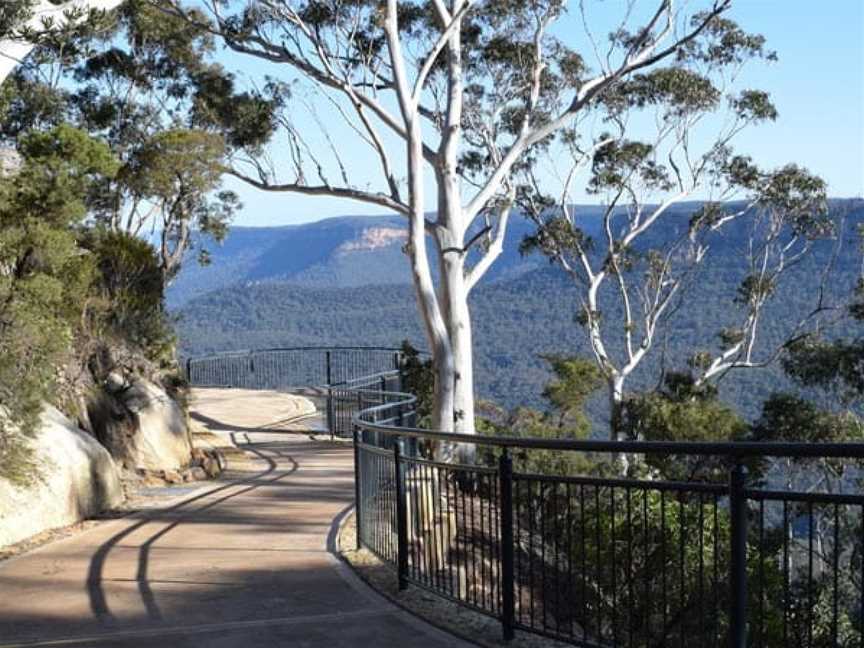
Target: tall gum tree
x=632 y=268
x=457 y=95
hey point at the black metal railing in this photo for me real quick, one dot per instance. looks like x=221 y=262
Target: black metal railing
x=349 y=378
x=763 y=545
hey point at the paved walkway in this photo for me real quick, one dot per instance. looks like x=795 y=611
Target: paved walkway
x=243 y=562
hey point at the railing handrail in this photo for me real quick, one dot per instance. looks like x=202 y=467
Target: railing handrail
x=730 y=449
x=246 y=352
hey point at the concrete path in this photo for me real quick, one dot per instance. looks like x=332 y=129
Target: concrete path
x=244 y=562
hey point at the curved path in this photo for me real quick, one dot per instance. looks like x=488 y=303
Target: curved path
x=245 y=561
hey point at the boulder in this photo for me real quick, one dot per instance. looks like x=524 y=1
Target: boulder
x=77 y=478
x=141 y=425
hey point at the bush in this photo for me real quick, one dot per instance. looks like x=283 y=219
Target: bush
x=130 y=290
x=44 y=277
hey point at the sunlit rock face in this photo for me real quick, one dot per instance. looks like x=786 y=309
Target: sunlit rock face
x=374 y=238
x=75 y=478
x=141 y=425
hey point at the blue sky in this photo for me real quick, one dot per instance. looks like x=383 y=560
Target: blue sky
x=817 y=85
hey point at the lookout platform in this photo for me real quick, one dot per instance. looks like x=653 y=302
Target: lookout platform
x=248 y=560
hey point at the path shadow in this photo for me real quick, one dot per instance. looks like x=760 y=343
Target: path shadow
x=216 y=425
x=95 y=591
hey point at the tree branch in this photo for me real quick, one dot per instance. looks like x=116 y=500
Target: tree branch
x=380 y=199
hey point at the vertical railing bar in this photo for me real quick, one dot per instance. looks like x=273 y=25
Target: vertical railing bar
x=438 y=529
x=786 y=574
x=583 y=555
x=447 y=511
x=401 y=518
x=493 y=548
x=544 y=583
x=329 y=378
x=482 y=511
x=716 y=587
x=682 y=532
x=835 y=619
x=810 y=574
x=556 y=552
x=614 y=567
x=473 y=541
x=508 y=600
x=628 y=495
x=701 y=576
x=417 y=524
x=429 y=497
x=459 y=504
x=570 y=587
x=530 y=504
x=738 y=557
x=423 y=509
x=645 y=572
x=464 y=549
x=518 y=544
x=376 y=504
x=598 y=564
x=499 y=545
x=664 y=602
x=761 y=641
x=358 y=478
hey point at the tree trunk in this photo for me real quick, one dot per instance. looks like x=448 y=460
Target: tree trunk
x=453 y=293
x=458 y=320
x=621 y=460
x=424 y=287
x=616 y=403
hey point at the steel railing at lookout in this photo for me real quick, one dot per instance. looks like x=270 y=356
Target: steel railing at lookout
x=588 y=560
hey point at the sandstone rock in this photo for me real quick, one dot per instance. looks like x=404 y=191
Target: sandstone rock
x=172 y=477
x=115 y=382
x=212 y=467
x=142 y=427
x=196 y=473
x=78 y=478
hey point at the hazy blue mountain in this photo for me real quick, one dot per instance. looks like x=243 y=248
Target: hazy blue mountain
x=335 y=252
x=527 y=310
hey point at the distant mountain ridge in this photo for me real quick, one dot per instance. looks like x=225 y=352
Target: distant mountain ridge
x=524 y=309
x=345 y=251
x=351 y=251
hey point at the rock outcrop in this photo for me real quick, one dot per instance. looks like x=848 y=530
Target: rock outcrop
x=77 y=478
x=141 y=425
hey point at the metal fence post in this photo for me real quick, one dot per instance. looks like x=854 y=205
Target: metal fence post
x=400 y=368
x=330 y=409
x=357 y=472
x=508 y=600
x=401 y=518
x=738 y=557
